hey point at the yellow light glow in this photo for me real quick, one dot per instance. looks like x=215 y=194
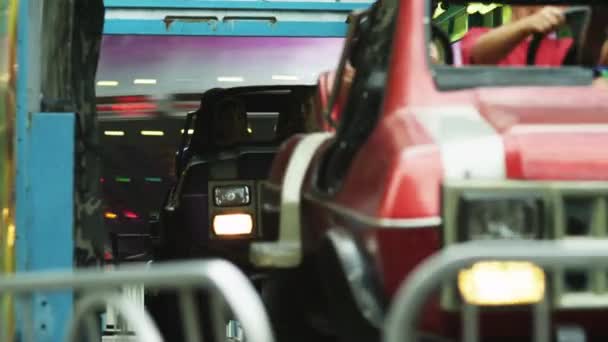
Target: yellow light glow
x=5 y=213
x=502 y=283
x=10 y=235
x=232 y=224
x=438 y=11
x=473 y=8
x=110 y=215
x=153 y=133
x=114 y=133
x=249 y=130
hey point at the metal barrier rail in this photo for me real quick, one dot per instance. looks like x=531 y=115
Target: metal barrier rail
x=224 y=281
x=400 y=324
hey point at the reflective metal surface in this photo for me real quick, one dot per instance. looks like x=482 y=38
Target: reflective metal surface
x=225 y=283
x=406 y=308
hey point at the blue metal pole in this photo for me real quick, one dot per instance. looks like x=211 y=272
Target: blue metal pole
x=44 y=186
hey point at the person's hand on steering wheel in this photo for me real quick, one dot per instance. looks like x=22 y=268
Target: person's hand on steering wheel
x=508 y=43
x=545 y=21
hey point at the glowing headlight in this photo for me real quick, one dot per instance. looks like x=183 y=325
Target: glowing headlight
x=502 y=283
x=486 y=217
x=231 y=196
x=232 y=224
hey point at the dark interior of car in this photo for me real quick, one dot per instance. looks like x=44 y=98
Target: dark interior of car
x=273 y=114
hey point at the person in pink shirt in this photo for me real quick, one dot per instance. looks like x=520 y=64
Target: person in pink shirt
x=508 y=44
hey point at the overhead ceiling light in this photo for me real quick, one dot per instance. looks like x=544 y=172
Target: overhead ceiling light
x=107 y=83
x=230 y=79
x=153 y=133
x=114 y=133
x=190 y=131
x=144 y=81
x=285 y=77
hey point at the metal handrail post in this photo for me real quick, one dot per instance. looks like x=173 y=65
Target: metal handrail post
x=217 y=276
x=411 y=296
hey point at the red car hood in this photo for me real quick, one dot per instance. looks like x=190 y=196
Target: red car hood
x=519 y=133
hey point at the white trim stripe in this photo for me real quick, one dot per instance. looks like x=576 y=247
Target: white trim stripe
x=559 y=128
x=470 y=147
x=287 y=251
x=291 y=193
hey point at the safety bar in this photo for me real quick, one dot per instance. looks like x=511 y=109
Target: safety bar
x=402 y=319
x=140 y=322
x=222 y=279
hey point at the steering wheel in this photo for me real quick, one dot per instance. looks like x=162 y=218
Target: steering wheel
x=440 y=37
x=578 y=19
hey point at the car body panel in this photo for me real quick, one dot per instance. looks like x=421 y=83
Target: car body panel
x=390 y=198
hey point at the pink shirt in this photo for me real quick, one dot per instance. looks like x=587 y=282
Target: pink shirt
x=551 y=51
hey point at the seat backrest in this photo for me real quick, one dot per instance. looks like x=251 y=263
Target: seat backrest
x=255 y=164
x=251 y=163
x=193 y=174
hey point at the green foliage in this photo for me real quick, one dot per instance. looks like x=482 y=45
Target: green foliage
x=455 y=20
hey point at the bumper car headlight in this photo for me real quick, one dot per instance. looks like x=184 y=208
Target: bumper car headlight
x=232 y=224
x=502 y=283
x=231 y=196
x=484 y=217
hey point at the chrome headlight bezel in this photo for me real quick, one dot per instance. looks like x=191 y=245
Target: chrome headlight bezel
x=460 y=198
x=489 y=215
x=557 y=201
x=231 y=196
x=250 y=209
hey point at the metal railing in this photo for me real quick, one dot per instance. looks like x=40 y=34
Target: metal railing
x=406 y=308
x=578 y=210
x=226 y=285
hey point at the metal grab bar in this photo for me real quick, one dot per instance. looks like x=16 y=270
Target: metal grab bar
x=142 y=324
x=218 y=276
x=400 y=324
